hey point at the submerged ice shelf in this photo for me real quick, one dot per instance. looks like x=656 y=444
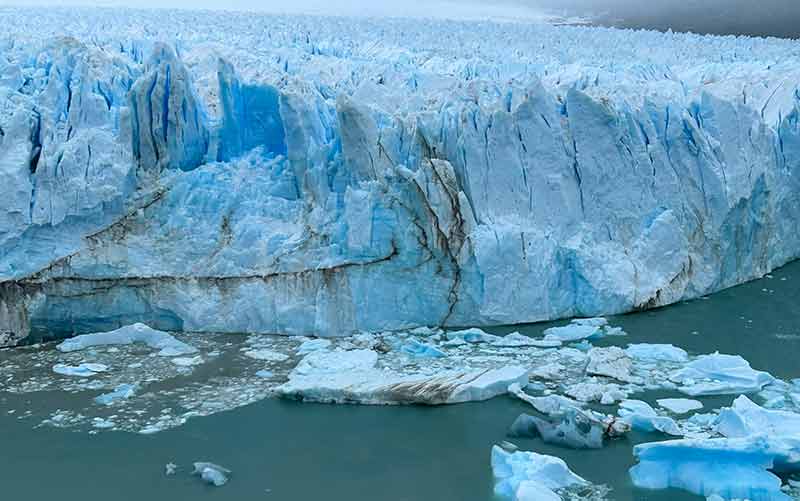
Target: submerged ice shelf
x=300 y=175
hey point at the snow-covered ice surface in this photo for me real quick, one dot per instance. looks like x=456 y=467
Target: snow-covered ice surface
x=300 y=175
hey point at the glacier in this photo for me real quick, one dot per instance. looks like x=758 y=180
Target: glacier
x=237 y=172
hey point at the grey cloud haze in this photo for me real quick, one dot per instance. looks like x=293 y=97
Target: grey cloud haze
x=751 y=17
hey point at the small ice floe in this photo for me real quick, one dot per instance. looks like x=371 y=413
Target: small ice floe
x=757 y=441
x=679 y=405
x=641 y=417
x=745 y=418
x=564 y=422
x=732 y=468
x=595 y=390
x=582 y=328
x=82 y=370
x=354 y=377
x=313 y=345
x=266 y=355
x=517 y=340
x=471 y=336
x=719 y=374
x=169 y=468
x=213 y=474
x=264 y=374
x=659 y=352
x=121 y=392
x=187 y=361
x=416 y=349
x=611 y=362
x=102 y=423
x=528 y=476
x=167 y=345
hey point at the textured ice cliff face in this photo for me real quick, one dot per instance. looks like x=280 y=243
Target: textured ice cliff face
x=235 y=172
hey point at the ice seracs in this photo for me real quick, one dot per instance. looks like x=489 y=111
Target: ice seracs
x=225 y=174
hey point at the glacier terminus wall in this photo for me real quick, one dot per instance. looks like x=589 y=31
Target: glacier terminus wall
x=227 y=172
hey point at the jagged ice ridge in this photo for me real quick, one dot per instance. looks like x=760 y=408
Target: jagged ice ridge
x=229 y=172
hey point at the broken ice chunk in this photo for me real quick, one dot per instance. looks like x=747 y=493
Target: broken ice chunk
x=82 y=370
x=415 y=348
x=313 y=345
x=679 y=405
x=121 y=392
x=719 y=374
x=187 y=361
x=519 y=474
x=745 y=418
x=572 y=332
x=515 y=339
x=473 y=335
x=573 y=429
x=611 y=362
x=266 y=355
x=732 y=468
x=169 y=468
x=642 y=417
x=662 y=352
x=212 y=473
x=168 y=345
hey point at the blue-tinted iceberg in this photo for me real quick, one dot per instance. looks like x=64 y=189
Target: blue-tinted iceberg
x=719 y=374
x=528 y=476
x=167 y=344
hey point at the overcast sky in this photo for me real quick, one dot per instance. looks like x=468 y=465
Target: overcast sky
x=754 y=17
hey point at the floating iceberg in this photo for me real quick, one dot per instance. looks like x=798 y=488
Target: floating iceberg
x=730 y=468
x=363 y=176
x=353 y=377
x=679 y=405
x=417 y=349
x=121 y=392
x=657 y=352
x=527 y=476
x=744 y=418
x=718 y=374
x=640 y=416
x=167 y=345
x=211 y=473
x=82 y=370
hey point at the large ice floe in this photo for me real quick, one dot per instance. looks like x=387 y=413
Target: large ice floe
x=751 y=448
x=302 y=175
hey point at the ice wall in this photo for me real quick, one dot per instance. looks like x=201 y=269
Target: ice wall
x=236 y=172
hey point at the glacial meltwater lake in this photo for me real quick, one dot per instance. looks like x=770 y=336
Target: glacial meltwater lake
x=286 y=450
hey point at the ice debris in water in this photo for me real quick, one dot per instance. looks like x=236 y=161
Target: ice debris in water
x=352 y=376
x=718 y=374
x=169 y=468
x=167 y=345
x=528 y=476
x=756 y=442
x=313 y=345
x=266 y=355
x=611 y=362
x=121 y=392
x=640 y=416
x=582 y=328
x=212 y=473
x=564 y=422
x=679 y=405
x=745 y=418
x=82 y=370
x=657 y=352
x=473 y=335
x=417 y=349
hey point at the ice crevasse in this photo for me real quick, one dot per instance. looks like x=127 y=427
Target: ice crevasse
x=302 y=175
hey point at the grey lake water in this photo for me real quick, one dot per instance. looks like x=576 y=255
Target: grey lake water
x=285 y=450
